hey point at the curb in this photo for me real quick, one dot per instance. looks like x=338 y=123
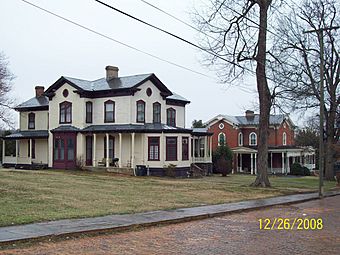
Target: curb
x=118 y=223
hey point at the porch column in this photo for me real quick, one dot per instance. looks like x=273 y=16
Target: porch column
x=205 y=148
x=162 y=149
x=3 y=150
x=94 y=150
x=30 y=152
x=120 y=151
x=16 y=151
x=193 y=150
x=271 y=162
x=288 y=164
x=210 y=151
x=283 y=162
x=235 y=166
x=252 y=163
x=255 y=166
x=107 y=150
x=240 y=162
x=133 y=150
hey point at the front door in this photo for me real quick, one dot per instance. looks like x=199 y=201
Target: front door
x=64 y=150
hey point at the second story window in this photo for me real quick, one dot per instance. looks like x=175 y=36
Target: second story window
x=240 y=139
x=109 y=111
x=284 y=138
x=65 y=112
x=252 y=139
x=156 y=112
x=140 y=111
x=221 y=139
x=89 y=109
x=171 y=117
x=31 y=120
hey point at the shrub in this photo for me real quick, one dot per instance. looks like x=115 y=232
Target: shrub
x=297 y=169
x=170 y=170
x=222 y=158
x=306 y=171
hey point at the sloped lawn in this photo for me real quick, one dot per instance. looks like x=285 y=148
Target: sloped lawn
x=31 y=196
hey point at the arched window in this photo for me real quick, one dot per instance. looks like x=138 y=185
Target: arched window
x=221 y=139
x=109 y=111
x=284 y=138
x=31 y=120
x=140 y=117
x=65 y=112
x=171 y=117
x=240 y=139
x=156 y=112
x=252 y=139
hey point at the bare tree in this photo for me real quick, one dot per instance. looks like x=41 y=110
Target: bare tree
x=6 y=102
x=298 y=65
x=236 y=33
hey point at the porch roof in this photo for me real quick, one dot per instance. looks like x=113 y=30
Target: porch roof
x=201 y=132
x=244 y=150
x=36 y=134
x=135 y=128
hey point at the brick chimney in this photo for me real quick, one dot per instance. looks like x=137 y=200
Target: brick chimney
x=250 y=114
x=111 y=72
x=39 y=91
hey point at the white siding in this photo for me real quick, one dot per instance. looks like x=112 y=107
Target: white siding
x=41 y=120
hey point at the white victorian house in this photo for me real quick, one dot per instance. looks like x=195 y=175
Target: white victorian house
x=113 y=121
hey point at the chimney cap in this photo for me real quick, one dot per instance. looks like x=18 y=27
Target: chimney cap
x=111 y=68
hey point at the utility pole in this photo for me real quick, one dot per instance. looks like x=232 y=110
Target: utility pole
x=322 y=104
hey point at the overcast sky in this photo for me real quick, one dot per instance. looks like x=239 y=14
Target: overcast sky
x=41 y=48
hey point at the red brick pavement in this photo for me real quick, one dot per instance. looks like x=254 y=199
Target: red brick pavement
x=232 y=234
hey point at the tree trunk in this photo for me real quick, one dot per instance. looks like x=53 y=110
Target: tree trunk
x=264 y=99
x=329 y=149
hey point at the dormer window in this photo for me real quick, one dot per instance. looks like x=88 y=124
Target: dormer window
x=171 y=117
x=89 y=109
x=140 y=111
x=65 y=112
x=156 y=112
x=31 y=120
x=252 y=139
x=109 y=111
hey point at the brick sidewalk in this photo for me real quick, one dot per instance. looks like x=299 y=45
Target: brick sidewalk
x=119 y=222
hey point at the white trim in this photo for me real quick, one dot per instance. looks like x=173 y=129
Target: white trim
x=252 y=133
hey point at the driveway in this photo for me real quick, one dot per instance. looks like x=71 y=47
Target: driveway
x=232 y=234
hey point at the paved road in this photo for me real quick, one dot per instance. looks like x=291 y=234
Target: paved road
x=232 y=234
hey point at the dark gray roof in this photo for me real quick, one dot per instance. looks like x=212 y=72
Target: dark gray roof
x=65 y=128
x=33 y=102
x=142 y=128
x=201 y=131
x=28 y=134
x=103 y=84
x=273 y=120
x=175 y=96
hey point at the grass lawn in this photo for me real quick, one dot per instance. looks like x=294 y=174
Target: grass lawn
x=31 y=196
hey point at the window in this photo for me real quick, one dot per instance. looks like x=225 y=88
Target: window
x=70 y=149
x=156 y=112
x=29 y=150
x=221 y=139
x=59 y=149
x=284 y=138
x=140 y=111
x=89 y=109
x=171 y=148
x=65 y=111
x=109 y=111
x=31 y=120
x=185 y=148
x=240 y=139
x=202 y=149
x=111 y=147
x=252 y=139
x=153 y=148
x=171 y=117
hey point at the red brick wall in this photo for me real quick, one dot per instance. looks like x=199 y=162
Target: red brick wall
x=274 y=139
x=230 y=133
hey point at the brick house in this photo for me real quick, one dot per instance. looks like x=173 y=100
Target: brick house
x=109 y=122
x=240 y=134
